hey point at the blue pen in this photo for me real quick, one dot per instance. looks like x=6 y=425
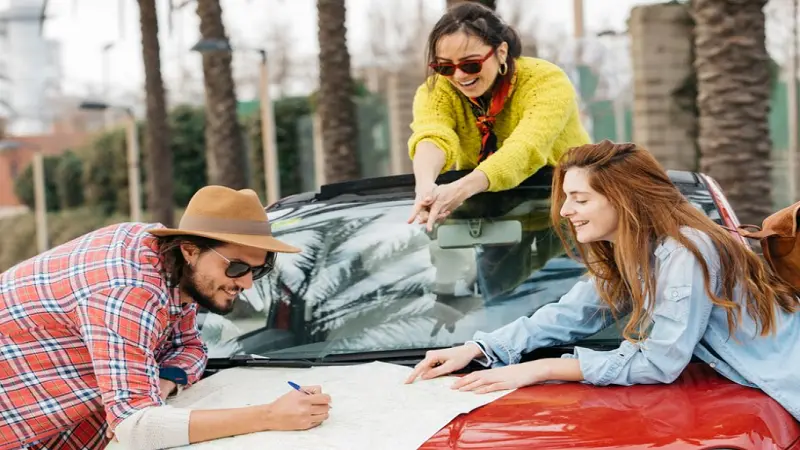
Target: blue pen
x=297 y=387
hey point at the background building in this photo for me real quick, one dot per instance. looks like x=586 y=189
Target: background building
x=30 y=68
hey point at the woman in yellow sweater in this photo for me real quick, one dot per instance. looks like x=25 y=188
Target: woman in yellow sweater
x=504 y=115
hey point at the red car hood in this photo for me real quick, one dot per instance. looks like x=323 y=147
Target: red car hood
x=698 y=411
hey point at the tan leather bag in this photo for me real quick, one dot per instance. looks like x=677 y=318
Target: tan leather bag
x=779 y=243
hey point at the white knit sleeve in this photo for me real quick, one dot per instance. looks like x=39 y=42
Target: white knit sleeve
x=154 y=428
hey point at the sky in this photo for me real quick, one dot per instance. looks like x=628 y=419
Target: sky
x=83 y=27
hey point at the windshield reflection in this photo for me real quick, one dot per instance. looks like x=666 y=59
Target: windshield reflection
x=367 y=281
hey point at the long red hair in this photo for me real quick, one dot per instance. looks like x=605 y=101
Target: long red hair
x=651 y=208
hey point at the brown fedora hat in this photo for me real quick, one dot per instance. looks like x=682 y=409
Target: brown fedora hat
x=227 y=215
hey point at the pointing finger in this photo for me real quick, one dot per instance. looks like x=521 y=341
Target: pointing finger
x=419 y=369
x=433 y=215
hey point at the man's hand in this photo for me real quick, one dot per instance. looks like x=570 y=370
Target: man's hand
x=166 y=387
x=297 y=410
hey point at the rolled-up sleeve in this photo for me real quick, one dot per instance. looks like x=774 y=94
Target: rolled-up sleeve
x=185 y=348
x=680 y=318
x=434 y=121
x=120 y=326
x=578 y=314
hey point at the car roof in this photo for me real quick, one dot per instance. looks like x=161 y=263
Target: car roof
x=403 y=185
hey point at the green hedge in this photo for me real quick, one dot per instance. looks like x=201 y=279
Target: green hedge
x=87 y=187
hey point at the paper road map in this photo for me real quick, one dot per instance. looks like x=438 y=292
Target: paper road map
x=372 y=407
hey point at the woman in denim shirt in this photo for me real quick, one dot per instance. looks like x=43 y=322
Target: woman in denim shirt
x=642 y=240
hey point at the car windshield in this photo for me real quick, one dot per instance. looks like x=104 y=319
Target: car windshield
x=367 y=281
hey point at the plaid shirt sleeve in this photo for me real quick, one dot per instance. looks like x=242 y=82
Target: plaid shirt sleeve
x=185 y=350
x=121 y=326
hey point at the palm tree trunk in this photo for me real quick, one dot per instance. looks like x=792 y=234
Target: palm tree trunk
x=157 y=148
x=490 y=3
x=225 y=151
x=336 y=107
x=733 y=85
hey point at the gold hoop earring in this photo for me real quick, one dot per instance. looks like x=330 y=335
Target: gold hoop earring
x=503 y=69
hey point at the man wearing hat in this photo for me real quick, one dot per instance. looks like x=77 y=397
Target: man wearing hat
x=96 y=333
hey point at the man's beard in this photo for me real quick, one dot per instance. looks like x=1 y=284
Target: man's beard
x=189 y=286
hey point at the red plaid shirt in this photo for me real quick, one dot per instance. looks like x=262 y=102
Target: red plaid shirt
x=84 y=328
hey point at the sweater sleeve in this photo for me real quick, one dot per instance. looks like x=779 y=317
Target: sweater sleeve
x=434 y=122
x=547 y=108
x=154 y=428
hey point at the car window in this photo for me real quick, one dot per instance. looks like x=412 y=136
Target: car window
x=368 y=281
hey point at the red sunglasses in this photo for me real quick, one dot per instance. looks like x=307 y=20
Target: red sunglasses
x=470 y=66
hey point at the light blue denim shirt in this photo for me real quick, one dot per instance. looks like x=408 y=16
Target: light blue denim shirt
x=685 y=322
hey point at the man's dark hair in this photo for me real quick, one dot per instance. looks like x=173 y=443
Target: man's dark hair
x=476 y=20
x=174 y=265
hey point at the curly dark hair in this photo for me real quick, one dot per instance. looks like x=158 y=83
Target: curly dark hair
x=476 y=20
x=174 y=266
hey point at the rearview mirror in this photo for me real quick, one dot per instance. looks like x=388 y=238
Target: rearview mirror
x=472 y=232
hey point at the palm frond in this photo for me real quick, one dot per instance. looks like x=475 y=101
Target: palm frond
x=386 y=336
x=366 y=286
x=372 y=307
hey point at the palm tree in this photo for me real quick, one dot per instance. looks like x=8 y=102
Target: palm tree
x=157 y=149
x=337 y=109
x=225 y=151
x=733 y=86
x=490 y=3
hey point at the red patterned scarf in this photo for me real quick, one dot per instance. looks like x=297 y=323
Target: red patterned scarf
x=485 y=119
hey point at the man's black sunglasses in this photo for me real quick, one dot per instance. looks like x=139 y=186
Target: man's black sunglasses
x=238 y=269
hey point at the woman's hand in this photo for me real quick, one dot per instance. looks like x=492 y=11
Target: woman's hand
x=444 y=361
x=503 y=378
x=446 y=198
x=422 y=202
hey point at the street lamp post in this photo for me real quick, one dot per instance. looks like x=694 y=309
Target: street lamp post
x=268 y=138
x=133 y=156
x=41 y=202
x=791 y=84
x=106 y=82
x=39 y=193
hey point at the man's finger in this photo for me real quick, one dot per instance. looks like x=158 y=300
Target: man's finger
x=312 y=389
x=319 y=399
x=317 y=410
x=320 y=417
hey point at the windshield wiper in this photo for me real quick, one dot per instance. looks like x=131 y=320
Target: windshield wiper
x=251 y=360
x=410 y=357
x=406 y=357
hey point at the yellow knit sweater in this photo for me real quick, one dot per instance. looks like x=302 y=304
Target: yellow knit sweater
x=538 y=123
